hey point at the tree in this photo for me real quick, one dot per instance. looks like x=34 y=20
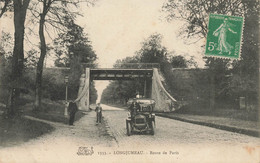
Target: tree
x=126 y=62
x=121 y=90
x=195 y=14
x=20 y=11
x=93 y=93
x=245 y=80
x=73 y=49
x=46 y=5
x=52 y=12
x=31 y=59
x=178 y=62
x=124 y=90
x=152 y=51
x=6 y=46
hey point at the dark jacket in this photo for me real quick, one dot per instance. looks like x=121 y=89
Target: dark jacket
x=73 y=108
x=98 y=109
x=135 y=106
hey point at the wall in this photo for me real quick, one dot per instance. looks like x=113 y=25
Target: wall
x=190 y=83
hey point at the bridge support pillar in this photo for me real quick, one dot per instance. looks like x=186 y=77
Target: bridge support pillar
x=83 y=95
x=88 y=85
x=147 y=88
x=145 y=85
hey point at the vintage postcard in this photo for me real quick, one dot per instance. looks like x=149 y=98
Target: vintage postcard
x=129 y=81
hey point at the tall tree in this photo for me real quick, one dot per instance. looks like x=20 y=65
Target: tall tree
x=52 y=12
x=46 y=4
x=73 y=49
x=152 y=50
x=195 y=14
x=20 y=11
x=245 y=71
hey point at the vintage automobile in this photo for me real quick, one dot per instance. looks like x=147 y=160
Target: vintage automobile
x=141 y=119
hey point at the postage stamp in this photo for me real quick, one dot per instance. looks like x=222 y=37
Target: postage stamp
x=224 y=37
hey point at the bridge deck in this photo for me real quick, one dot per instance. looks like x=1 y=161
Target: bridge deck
x=119 y=74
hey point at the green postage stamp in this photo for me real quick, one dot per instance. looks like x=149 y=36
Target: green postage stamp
x=224 y=36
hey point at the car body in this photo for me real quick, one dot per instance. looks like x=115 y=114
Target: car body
x=141 y=120
x=141 y=101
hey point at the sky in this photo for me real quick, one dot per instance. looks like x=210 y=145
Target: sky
x=117 y=28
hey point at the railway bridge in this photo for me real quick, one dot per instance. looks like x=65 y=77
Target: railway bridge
x=147 y=72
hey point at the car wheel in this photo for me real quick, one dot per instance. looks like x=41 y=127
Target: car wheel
x=152 y=128
x=128 y=128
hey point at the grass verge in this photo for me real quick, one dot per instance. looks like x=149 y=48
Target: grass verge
x=19 y=130
x=251 y=115
x=51 y=111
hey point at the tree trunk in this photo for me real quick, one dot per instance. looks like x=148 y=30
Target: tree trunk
x=20 y=10
x=39 y=70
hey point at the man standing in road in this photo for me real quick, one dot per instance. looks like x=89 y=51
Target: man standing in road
x=72 y=109
x=99 y=113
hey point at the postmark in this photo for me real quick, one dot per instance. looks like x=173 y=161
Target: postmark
x=224 y=38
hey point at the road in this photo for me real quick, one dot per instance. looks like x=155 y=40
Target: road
x=173 y=141
x=170 y=132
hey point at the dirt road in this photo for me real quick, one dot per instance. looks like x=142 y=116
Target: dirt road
x=173 y=141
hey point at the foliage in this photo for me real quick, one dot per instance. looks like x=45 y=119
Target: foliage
x=196 y=13
x=32 y=58
x=73 y=49
x=151 y=51
x=178 y=61
x=17 y=65
x=6 y=44
x=73 y=45
x=93 y=93
x=54 y=13
x=122 y=90
x=123 y=63
x=26 y=81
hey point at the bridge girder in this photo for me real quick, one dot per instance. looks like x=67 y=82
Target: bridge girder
x=120 y=74
x=112 y=74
